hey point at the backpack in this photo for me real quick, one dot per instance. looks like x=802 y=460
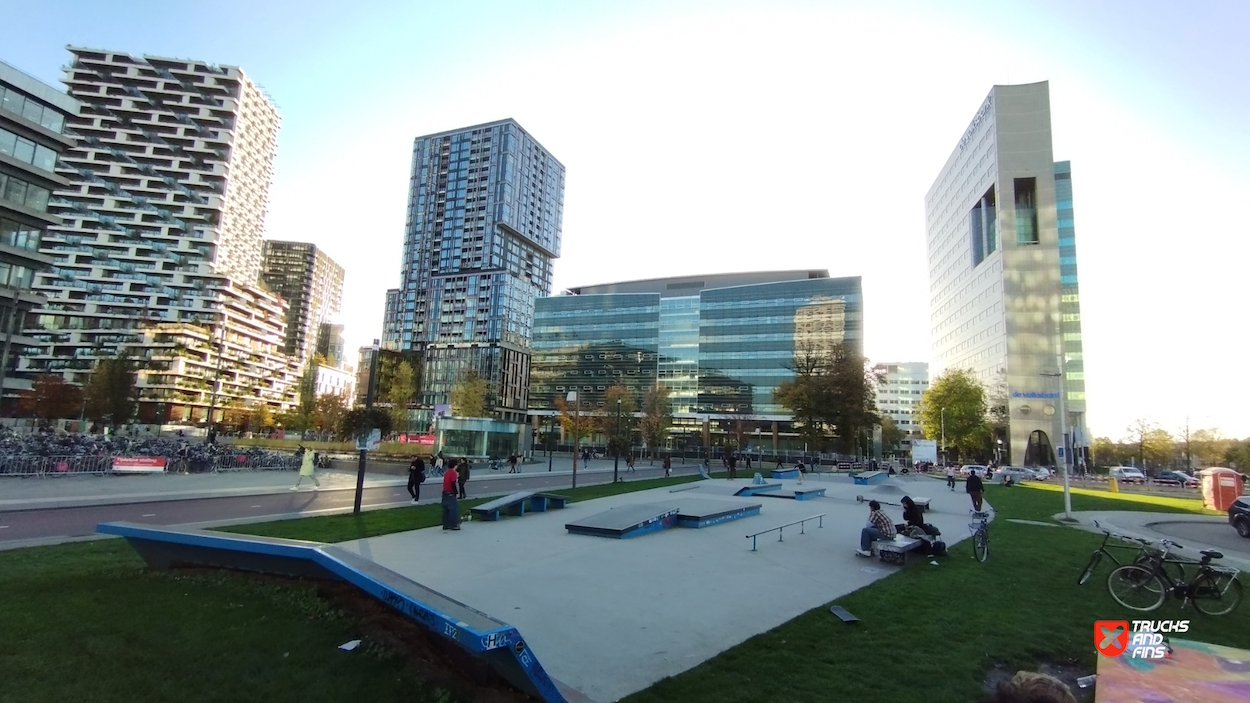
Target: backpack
x=937 y=548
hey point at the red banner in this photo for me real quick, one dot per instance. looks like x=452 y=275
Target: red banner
x=138 y=464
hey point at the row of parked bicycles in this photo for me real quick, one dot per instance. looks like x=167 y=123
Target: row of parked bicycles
x=1146 y=573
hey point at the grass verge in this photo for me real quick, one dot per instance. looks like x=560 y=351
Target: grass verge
x=935 y=632
x=341 y=528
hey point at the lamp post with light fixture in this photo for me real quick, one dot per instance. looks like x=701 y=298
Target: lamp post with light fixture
x=577 y=411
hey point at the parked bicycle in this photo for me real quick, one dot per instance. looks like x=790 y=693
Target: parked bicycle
x=980 y=534
x=496 y=465
x=1142 y=552
x=1213 y=590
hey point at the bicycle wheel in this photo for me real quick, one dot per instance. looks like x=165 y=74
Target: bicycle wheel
x=1094 y=561
x=1136 y=588
x=1216 y=593
x=981 y=545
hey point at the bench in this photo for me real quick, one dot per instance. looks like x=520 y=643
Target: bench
x=517 y=503
x=895 y=551
x=922 y=502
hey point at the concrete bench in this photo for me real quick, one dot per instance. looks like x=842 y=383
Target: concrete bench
x=516 y=504
x=895 y=551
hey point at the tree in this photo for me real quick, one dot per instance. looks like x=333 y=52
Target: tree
x=51 y=398
x=468 y=395
x=1237 y=456
x=619 y=430
x=328 y=412
x=293 y=420
x=891 y=436
x=1209 y=447
x=360 y=422
x=112 y=393
x=262 y=417
x=400 y=392
x=832 y=391
x=1153 y=445
x=575 y=425
x=959 y=397
x=657 y=417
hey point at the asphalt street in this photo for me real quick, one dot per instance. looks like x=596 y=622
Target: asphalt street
x=20 y=526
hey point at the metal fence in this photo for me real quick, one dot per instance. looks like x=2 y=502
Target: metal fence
x=46 y=466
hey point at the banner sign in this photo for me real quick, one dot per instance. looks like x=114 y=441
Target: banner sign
x=138 y=464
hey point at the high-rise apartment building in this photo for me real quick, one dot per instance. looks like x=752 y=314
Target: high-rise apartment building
x=159 y=252
x=1002 y=269
x=311 y=283
x=720 y=343
x=332 y=346
x=32 y=126
x=898 y=393
x=485 y=208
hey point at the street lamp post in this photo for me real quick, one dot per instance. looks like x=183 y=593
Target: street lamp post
x=360 y=465
x=616 y=443
x=1063 y=439
x=577 y=411
x=943 y=437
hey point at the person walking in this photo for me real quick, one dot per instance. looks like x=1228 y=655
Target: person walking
x=306 y=469
x=974 y=488
x=463 y=476
x=451 y=506
x=416 y=476
x=437 y=461
x=950 y=477
x=732 y=462
x=512 y=463
x=668 y=466
x=629 y=461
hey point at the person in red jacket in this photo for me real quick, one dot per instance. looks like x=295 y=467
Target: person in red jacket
x=451 y=502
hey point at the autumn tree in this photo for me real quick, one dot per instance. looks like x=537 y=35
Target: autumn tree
x=112 y=392
x=1153 y=445
x=50 y=398
x=262 y=417
x=956 y=401
x=328 y=412
x=1208 y=446
x=401 y=391
x=832 y=392
x=358 y=423
x=657 y=417
x=468 y=395
x=616 y=422
x=576 y=425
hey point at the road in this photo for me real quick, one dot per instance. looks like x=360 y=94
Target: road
x=25 y=525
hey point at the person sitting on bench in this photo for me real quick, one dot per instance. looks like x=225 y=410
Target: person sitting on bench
x=879 y=527
x=913 y=516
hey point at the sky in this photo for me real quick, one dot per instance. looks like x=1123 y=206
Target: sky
x=707 y=137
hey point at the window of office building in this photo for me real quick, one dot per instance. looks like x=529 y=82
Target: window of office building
x=1026 y=210
x=983 y=227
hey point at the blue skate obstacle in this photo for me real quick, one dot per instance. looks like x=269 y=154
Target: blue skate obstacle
x=637 y=520
x=492 y=641
x=796 y=494
x=518 y=504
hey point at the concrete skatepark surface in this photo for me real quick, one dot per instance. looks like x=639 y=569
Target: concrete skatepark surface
x=610 y=617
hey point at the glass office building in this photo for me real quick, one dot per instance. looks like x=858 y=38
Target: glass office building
x=1002 y=270
x=720 y=343
x=485 y=208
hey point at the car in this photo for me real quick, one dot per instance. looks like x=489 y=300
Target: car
x=1179 y=477
x=1239 y=516
x=1127 y=474
x=969 y=469
x=1042 y=473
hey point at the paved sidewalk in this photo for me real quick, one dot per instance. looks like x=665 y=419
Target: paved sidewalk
x=1196 y=532
x=32 y=493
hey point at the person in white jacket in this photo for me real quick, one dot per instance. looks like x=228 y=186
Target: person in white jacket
x=307 y=468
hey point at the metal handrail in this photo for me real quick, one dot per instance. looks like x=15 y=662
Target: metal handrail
x=781 y=528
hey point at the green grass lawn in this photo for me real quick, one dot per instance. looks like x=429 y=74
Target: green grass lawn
x=87 y=622
x=944 y=627
x=340 y=528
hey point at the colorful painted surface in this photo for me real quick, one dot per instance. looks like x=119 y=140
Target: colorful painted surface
x=1195 y=673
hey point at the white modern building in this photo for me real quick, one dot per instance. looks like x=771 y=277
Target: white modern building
x=335 y=381
x=1003 y=288
x=898 y=394
x=159 y=250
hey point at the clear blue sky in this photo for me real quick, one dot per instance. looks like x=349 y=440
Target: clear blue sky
x=718 y=136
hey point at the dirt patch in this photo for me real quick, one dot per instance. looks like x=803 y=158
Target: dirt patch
x=387 y=633
x=1067 y=672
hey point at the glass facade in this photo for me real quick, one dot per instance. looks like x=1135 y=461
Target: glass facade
x=1070 y=292
x=721 y=353
x=484 y=225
